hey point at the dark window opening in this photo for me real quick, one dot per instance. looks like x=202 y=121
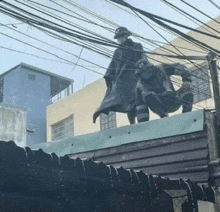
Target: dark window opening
x=201 y=84
x=63 y=129
x=108 y=121
x=31 y=77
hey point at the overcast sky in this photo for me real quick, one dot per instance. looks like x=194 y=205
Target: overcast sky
x=105 y=9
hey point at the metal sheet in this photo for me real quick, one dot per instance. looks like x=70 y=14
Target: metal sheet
x=166 y=127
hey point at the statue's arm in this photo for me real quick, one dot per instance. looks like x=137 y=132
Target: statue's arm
x=110 y=72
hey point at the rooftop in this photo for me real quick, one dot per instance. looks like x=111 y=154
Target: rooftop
x=58 y=83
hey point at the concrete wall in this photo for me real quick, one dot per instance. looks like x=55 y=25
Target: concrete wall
x=13 y=124
x=34 y=95
x=82 y=104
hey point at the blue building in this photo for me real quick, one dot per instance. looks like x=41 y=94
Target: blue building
x=33 y=88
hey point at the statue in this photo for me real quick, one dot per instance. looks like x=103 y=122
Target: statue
x=120 y=77
x=155 y=90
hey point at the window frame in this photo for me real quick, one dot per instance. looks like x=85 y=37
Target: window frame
x=63 y=129
x=201 y=87
x=108 y=121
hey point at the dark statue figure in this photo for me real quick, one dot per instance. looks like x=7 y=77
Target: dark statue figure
x=120 y=77
x=155 y=90
x=134 y=85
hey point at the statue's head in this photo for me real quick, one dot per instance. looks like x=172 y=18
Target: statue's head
x=144 y=68
x=121 y=34
x=144 y=64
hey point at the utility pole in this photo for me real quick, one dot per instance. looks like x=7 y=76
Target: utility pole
x=215 y=83
x=214 y=144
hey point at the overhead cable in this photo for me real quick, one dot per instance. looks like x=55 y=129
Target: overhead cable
x=189 y=15
x=200 y=11
x=214 y=4
x=148 y=15
x=53 y=46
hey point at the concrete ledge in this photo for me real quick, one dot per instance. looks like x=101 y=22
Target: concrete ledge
x=166 y=127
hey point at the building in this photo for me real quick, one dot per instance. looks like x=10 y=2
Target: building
x=13 y=123
x=31 y=88
x=182 y=146
x=73 y=115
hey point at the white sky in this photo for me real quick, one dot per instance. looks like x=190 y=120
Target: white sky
x=81 y=76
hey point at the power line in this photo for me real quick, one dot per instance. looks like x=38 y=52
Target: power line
x=212 y=2
x=168 y=42
x=161 y=47
x=81 y=19
x=54 y=47
x=87 y=38
x=78 y=58
x=191 y=39
x=68 y=22
x=200 y=12
x=158 y=22
x=60 y=58
x=169 y=50
x=171 y=33
x=187 y=15
x=67 y=30
x=34 y=55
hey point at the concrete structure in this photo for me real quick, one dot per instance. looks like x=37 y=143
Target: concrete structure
x=32 y=88
x=82 y=104
x=13 y=124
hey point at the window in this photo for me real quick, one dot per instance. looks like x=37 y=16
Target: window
x=201 y=84
x=1 y=89
x=63 y=129
x=108 y=121
x=31 y=77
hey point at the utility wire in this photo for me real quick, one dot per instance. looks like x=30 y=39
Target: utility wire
x=171 y=33
x=43 y=58
x=78 y=59
x=53 y=46
x=191 y=39
x=161 y=47
x=81 y=19
x=168 y=41
x=204 y=24
x=67 y=22
x=67 y=30
x=50 y=53
x=66 y=60
x=87 y=31
x=95 y=41
x=136 y=35
x=187 y=15
x=146 y=14
x=169 y=50
x=178 y=24
x=212 y=2
x=200 y=12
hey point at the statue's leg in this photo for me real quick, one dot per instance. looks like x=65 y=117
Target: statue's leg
x=156 y=105
x=187 y=100
x=141 y=107
x=131 y=118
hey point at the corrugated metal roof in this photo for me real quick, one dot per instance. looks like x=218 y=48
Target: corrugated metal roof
x=181 y=156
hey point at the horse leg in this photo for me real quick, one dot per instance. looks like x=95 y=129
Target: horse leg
x=131 y=118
